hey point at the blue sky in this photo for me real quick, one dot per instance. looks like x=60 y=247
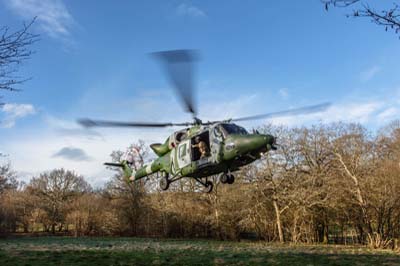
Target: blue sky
x=257 y=56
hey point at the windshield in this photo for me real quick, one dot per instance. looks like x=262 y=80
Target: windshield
x=234 y=129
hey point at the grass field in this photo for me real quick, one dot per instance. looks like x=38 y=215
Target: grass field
x=137 y=251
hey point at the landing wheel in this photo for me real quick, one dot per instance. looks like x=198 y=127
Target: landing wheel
x=223 y=178
x=231 y=179
x=164 y=182
x=208 y=187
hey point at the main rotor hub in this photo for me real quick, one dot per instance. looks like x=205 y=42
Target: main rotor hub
x=197 y=121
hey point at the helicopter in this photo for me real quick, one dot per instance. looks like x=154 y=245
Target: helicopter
x=200 y=149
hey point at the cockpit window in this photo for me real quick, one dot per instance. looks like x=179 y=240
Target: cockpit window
x=234 y=129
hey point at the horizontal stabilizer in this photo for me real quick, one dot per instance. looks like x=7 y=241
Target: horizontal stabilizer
x=114 y=164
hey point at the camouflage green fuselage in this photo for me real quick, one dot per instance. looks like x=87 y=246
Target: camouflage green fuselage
x=228 y=152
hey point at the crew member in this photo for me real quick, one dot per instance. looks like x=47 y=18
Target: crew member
x=202 y=146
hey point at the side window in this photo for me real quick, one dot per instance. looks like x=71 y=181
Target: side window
x=182 y=150
x=217 y=132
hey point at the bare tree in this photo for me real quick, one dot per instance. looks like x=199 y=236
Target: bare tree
x=326 y=183
x=89 y=215
x=388 y=18
x=56 y=191
x=126 y=196
x=7 y=177
x=15 y=49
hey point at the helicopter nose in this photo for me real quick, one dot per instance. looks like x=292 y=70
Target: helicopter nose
x=269 y=142
x=244 y=144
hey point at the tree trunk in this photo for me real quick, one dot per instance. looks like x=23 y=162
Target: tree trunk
x=358 y=194
x=278 y=221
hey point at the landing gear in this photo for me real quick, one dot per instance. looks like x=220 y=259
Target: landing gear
x=208 y=187
x=223 y=178
x=164 y=182
x=231 y=179
x=226 y=178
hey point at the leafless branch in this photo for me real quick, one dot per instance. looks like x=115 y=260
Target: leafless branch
x=389 y=18
x=339 y=3
x=15 y=49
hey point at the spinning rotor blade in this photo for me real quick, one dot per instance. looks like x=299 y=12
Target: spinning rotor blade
x=179 y=67
x=293 y=112
x=104 y=123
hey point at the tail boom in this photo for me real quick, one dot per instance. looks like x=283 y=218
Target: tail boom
x=142 y=172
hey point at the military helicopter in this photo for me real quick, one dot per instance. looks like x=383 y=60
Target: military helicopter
x=200 y=149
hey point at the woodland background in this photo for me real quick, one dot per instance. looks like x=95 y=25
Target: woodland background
x=336 y=183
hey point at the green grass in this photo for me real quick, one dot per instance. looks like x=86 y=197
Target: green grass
x=139 y=251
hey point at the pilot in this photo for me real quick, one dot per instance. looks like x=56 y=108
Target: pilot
x=202 y=146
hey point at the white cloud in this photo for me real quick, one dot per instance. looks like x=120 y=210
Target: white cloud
x=52 y=15
x=12 y=111
x=370 y=73
x=190 y=11
x=389 y=113
x=360 y=112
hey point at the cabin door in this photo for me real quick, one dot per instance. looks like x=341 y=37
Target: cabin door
x=183 y=156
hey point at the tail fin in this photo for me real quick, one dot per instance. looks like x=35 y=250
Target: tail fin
x=129 y=173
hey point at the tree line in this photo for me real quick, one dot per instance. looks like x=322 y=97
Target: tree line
x=336 y=183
